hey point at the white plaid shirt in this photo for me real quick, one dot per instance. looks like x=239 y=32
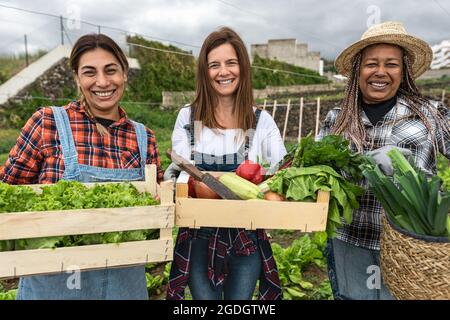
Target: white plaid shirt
x=401 y=128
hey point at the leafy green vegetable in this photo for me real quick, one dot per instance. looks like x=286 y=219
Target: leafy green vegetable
x=66 y=195
x=9 y=295
x=292 y=262
x=411 y=201
x=302 y=184
x=16 y=198
x=333 y=151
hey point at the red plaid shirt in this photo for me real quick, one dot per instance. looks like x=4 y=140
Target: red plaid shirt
x=218 y=250
x=37 y=156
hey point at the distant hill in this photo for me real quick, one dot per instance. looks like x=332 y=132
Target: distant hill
x=160 y=71
x=163 y=71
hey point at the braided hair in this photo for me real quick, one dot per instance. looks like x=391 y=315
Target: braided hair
x=349 y=120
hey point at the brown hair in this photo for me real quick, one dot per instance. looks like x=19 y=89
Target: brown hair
x=349 y=121
x=206 y=99
x=90 y=42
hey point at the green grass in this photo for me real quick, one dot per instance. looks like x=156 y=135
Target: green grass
x=10 y=65
x=3 y=158
x=160 y=71
x=8 y=138
x=160 y=121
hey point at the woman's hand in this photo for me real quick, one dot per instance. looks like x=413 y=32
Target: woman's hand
x=383 y=161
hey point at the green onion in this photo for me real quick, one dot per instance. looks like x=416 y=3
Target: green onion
x=411 y=201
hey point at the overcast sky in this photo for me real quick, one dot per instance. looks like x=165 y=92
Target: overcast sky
x=327 y=26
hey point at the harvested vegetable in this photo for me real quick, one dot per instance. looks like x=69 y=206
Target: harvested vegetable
x=332 y=151
x=273 y=196
x=251 y=171
x=302 y=184
x=242 y=188
x=203 y=191
x=411 y=201
x=191 y=188
x=66 y=195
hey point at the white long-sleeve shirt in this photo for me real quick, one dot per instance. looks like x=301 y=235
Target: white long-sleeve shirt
x=267 y=143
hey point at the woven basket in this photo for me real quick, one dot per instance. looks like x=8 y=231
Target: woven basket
x=414 y=268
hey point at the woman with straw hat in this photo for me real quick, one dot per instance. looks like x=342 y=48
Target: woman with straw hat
x=382 y=109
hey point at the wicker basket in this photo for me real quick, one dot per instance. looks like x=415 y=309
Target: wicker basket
x=414 y=267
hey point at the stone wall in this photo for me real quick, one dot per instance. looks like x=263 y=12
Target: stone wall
x=309 y=116
x=179 y=98
x=436 y=73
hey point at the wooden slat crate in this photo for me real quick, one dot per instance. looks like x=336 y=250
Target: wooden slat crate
x=24 y=225
x=249 y=214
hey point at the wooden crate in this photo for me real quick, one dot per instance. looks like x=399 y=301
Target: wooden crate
x=249 y=214
x=24 y=225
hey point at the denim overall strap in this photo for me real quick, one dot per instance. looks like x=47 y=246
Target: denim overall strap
x=69 y=152
x=251 y=133
x=110 y=284
x=141 y=137
x=191 y=131
x=248 y=138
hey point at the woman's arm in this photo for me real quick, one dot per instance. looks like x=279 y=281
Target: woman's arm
x=25 y=158
x=180 y=138
x=443 y=136
x=272 y=145
x=327 y=124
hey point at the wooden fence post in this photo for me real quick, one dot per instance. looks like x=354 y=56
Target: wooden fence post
x=300 y=119
x=317 y=116
x=265 y=103
x=443 y=96
x=286 y=119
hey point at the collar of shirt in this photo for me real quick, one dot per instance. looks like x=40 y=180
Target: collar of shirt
x=399 y=110
x=123 y=120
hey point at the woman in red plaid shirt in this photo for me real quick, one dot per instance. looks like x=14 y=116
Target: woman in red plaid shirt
x=88 y=140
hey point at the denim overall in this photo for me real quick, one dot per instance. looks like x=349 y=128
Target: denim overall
x=244 y=271
x=105 y=284
x=352 y=269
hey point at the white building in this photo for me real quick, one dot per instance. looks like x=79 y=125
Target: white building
x=289 y=51
x=441 y=55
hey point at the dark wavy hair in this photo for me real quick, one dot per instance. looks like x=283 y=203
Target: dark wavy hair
x=90 y=42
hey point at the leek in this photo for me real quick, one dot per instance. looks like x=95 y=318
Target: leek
x=411 y=201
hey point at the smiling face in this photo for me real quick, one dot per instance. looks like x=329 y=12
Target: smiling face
x=380 y=73
x=224 y=70
x=102 y=82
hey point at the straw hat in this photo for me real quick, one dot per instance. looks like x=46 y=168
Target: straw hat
x=391 y=32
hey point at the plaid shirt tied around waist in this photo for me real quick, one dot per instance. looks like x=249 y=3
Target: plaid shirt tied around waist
x=220 y=244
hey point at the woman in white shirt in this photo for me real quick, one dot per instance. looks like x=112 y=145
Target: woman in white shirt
x=218 y=131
